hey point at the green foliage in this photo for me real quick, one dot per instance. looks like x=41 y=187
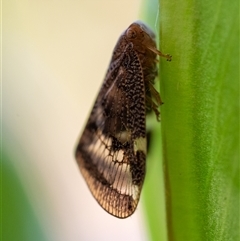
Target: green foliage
x=200 y=122
x=18 y=221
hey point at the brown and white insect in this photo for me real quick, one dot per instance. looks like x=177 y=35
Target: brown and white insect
x=111 y=153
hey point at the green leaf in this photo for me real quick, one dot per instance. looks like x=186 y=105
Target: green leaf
x=18 y=220
x=200 y=123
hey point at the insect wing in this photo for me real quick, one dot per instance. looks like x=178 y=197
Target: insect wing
x=111 y=153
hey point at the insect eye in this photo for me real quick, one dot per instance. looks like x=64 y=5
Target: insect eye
x=131 y=34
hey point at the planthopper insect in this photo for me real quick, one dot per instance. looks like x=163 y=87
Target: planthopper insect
x=111 y=153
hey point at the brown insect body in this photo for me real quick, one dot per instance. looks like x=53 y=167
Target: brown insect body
x=111 y=153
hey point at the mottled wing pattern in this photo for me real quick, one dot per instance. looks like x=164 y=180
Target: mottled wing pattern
x=111 y=153
x=112 y=150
